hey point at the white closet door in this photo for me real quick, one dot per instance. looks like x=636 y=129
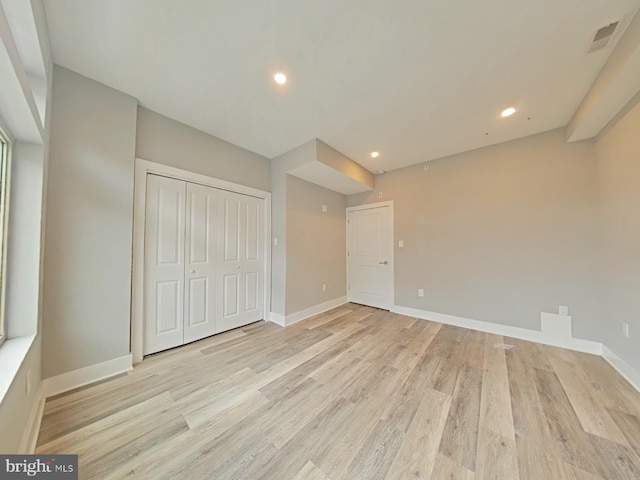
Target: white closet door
x=252 y=300
x=164 y=263
x=240 y=260
x=200 y=259
x=230 y=290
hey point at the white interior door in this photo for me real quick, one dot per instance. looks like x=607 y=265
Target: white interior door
x=164 y=263
x=369 y=259
x=200 y=263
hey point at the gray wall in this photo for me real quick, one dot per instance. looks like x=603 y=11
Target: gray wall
x=618 y=157
x=279 y=168
x=316 y=245
x=89 y=224
x=163 y=140
x=498 y=234
x=97 y=132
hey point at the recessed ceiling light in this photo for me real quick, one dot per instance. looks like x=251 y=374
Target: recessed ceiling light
x=280 y=78
x=375 y=154
x=380 y=172
x=507 y=112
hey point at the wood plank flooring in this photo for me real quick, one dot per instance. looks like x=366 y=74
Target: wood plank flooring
x=354 y=393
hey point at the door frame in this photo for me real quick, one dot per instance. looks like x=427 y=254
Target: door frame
x=142 y=169
x=392 y=264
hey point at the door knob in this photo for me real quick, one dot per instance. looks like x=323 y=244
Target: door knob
x=383 y=263
x=193 y=271
x=238 y=267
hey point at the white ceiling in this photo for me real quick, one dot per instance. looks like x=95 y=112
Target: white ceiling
x=416 y=80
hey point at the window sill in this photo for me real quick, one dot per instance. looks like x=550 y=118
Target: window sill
x=12 y=353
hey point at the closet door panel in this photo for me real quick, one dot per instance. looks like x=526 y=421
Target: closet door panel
x=229 y=265
x=253 y=259
x=200 y=268
x=231 y=296
x=164 y=263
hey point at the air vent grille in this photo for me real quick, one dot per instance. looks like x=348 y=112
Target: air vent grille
x=603 y=36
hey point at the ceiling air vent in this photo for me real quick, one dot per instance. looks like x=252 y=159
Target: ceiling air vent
x=602 y=37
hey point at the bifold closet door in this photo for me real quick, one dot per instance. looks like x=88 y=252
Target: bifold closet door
x=200 y=263
x=240 y=260
x=204 y=262
x=164 y=263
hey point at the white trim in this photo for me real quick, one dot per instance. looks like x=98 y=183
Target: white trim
x=144 y=167
x=277 y=318
x=86 y=375
x=369 y=206
x=12 y=355
x=577 y=344
x=392 y=264
x=32 y=429
x=629 y=373
x=22 y=115
x=285 y=321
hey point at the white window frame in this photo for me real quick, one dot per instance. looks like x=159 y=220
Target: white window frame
x=5 y=195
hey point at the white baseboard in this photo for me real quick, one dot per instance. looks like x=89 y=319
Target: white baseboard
x=84 y=376
x=630 y=374
x=32 y=428
x=285 y=321
x=277 y=318
x=576 y=344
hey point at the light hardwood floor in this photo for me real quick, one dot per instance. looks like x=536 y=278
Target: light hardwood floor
x=355 y=393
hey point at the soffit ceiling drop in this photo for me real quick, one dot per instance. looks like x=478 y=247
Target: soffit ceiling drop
x=414 y=80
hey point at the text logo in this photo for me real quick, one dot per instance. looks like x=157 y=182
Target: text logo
x=52 y=467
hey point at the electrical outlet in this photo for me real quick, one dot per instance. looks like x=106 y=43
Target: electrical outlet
x=324 y=209
x=275 y=242
x=625 y=329
x=563 y=310
x=380 y=195
x=420 y=292
x=324 y=287
x=400 y=243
